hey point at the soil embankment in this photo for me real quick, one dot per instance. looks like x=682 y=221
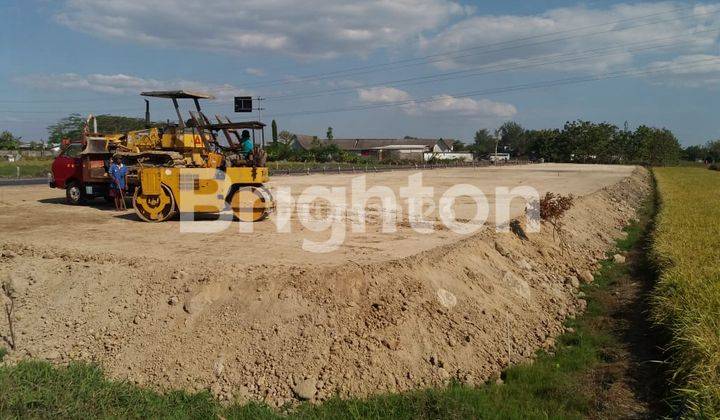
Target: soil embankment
x=276 y=332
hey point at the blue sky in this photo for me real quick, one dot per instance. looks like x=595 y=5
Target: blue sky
x=429 y=68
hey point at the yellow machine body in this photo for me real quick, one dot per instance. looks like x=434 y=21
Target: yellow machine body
x=164 y=191
x=185 y=141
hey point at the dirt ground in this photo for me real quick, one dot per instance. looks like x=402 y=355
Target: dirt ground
x=253 y=316
x=37 y=215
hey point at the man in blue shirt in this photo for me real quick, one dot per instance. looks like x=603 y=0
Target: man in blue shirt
x=118 y=175
x=246 y=144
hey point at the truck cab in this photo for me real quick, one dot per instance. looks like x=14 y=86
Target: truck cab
x=81 y=169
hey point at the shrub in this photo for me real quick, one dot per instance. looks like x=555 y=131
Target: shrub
x=552 y=209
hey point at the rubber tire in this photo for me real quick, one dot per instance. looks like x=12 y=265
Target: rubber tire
x=74 y=194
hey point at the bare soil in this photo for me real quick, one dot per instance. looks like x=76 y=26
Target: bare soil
x=253 y=316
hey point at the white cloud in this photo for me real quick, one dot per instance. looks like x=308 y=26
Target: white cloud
x=505 y=29
x=255 y=71
x=692 y=70
x=313 y=28
x=465 y=107
x=382 y=94
x=439 y=104
x=122 y=84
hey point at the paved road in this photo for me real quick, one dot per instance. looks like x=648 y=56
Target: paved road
x=4 y=182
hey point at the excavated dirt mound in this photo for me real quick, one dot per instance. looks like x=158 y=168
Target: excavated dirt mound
x=277 y=333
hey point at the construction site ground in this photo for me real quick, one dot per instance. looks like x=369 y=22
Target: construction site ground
x=254 y=316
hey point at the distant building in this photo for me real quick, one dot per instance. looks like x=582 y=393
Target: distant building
x=383 y=149
x=499 y=157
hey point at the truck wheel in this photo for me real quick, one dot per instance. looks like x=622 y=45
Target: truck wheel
x=74 y=194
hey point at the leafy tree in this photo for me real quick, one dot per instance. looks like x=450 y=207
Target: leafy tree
x=69 y=127
x=586 y=141
x=8 y=141
x=630 y=146
x=329 y=134
x=695 y=153
x=658 y=145
x=120 y=124
x=484 y=142
x=542 y=143
x=512 y=138
x=713 y=150
x=274 y=131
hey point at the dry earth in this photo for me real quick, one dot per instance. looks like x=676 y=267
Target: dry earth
x=255 y=316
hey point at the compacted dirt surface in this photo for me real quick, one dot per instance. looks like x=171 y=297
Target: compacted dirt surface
x=254 y=316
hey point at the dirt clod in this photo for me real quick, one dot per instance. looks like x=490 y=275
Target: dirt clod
x=586 y=276
x=305 y=389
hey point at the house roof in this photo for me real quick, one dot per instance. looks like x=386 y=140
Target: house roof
x=401 y=147
x=365 y=144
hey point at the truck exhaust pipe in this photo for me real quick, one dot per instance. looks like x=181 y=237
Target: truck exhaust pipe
x=147 y=113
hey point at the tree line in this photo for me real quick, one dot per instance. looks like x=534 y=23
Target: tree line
x=577 y=141
x=581 y=141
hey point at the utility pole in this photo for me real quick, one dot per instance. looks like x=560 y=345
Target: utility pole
x=497 y=140
x=259 y=108
x=259 y=118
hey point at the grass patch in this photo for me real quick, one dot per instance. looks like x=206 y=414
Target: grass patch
x=553 y=386
x=3 y=352
x=28 y=168
x=686 y=247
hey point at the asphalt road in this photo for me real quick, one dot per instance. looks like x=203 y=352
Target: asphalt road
x=6 y=182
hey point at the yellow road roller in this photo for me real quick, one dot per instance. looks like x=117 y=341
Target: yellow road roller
x=190 y=168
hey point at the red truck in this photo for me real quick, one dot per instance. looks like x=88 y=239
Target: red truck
x=81 y=169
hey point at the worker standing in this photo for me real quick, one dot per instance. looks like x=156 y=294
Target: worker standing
x=118 y=174
x=246 y=144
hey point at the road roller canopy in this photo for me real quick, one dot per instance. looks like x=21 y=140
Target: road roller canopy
x=177 y=94
x=243 y=125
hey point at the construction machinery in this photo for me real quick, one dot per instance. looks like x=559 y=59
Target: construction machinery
x=185 y=167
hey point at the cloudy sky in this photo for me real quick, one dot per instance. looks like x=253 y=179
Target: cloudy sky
x=431 y=68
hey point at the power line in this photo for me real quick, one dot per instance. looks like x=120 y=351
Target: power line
x=574 y=56
x=506 y=89
x=422 y=60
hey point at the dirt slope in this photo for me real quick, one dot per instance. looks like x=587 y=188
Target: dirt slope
x=278 y=331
